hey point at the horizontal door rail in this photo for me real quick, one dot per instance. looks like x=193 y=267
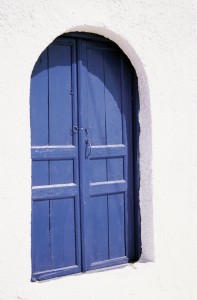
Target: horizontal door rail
x=54 y=191
x=55 y=273
x=53 y=152
x=108 y=187
x=109 y=262
x=107 y=151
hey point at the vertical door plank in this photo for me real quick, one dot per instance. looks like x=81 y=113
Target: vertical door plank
x=40 y=174
x=113 y=97
x=39 y=137
x=96 y=118
x=96 y=110
x=61 y=171
x=116 y=226
x=60 y=95
x=99 y=217
x=115 y=169
x=40 y=236
x=63 y=248
x=63 y=228
x=39 y=107
x=96 y=100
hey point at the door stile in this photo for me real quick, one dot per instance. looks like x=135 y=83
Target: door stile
x=83 y=161
x=76 y=179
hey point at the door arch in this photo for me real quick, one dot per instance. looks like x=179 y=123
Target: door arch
x=84 y=170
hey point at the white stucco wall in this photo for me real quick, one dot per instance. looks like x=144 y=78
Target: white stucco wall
x=160 y=38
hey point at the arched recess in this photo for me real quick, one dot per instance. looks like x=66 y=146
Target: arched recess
x=59 y=145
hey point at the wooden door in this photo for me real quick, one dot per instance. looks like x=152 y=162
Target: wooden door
x=55 y=175
x=82 y=158
x=106 y=155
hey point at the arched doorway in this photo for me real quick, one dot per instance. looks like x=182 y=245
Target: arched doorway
x=83 y=132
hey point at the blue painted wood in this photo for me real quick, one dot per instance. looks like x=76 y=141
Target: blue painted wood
x=116 y=226
x=98 y=221
x=98 y=218
x=39 y=93
x=107 y=151
x=55 y=273
x=61 y=171
x=63 y=245
x=63 y=233
x=113 y=98
x=109 y=263
x=54 y=191
x=40 y=173
x=99 y=229
x=40 y=236
x=107 y=187
x=92 y=91
x=60 y=94
x=56 y=247
x=105 y=172
x=48 y=153
x=39 y=136
x=115 y=169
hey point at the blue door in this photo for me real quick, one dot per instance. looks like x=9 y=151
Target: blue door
x=82 y=158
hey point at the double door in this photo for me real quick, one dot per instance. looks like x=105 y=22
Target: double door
x=82 y=158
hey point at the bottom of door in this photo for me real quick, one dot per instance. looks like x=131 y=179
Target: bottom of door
x=76 y=269
x=109 y=263
x=55 y=273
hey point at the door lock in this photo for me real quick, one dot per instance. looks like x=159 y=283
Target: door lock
x=76 y=129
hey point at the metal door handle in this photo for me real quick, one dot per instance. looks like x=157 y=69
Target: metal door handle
x=88 y=141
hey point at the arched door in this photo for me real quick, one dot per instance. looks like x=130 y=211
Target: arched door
x=82 y=158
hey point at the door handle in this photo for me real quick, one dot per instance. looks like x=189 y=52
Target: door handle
x=88 y=141
x=87 y=130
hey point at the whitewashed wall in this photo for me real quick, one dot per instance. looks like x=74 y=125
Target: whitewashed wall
x=160 y=38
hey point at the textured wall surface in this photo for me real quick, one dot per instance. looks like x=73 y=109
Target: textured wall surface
x=160 y=38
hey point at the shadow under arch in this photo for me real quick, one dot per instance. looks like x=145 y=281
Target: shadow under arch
x=145 y=159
